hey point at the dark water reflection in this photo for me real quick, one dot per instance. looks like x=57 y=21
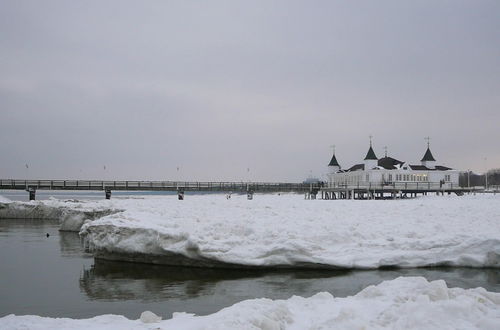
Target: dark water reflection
x=53 y=276
x=107 y=280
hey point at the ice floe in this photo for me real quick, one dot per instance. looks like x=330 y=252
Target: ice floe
x=71 y=213
x=403 y=303
x=288 y=231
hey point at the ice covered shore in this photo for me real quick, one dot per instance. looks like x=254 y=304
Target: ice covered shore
x=284 y=231
x=403 y=303
x=71 y=213
x=288 y=231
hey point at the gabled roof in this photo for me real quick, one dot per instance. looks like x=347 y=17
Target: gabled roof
x=389 y=163
x=333 y=161
x=443 y=168
x=370 y=154
x=357 y=167
x=428 y=156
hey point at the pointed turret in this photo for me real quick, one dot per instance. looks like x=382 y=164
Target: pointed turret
x=428 y=159
x=334 y=165
x=428 y=156
x=370 y=159
x=370 y=155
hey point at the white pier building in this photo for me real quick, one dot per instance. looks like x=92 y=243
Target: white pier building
x=387 y=171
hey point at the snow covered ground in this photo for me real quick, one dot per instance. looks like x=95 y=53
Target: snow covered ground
x=403 y=303
x=288 y=231
x=70 y=213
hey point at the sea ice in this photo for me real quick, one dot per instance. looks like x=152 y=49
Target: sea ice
x=285 y=230
x=149 y=317
x=403 y=303
x=71 y=213
x=288 y=231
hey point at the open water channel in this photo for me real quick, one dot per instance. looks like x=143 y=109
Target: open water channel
x=53 y=276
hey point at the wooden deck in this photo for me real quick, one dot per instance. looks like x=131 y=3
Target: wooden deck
x=157 y=185
x=355 y=191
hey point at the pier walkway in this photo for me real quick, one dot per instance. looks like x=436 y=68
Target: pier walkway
x=338 y=191
x=177 y=186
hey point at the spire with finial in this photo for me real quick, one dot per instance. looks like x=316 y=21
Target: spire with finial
x=385 y=149
x=428 y=154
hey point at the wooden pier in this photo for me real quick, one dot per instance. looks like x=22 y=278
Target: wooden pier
x=311 y=190
x=176 y=186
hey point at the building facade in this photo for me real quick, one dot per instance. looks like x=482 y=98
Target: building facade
x=388 y=171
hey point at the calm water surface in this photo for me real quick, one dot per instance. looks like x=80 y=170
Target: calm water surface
x=53 y=276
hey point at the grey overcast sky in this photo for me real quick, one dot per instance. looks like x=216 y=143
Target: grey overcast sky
x=205 y=90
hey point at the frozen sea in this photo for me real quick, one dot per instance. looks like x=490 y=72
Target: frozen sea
x=53 y=276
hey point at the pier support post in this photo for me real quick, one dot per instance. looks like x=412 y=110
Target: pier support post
x=107 y=193
x=32 y=193
x=180 y=195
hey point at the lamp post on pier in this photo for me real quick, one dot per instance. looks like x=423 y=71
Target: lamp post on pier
x=485 y=174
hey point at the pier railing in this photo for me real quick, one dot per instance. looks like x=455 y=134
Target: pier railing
x=157 y=185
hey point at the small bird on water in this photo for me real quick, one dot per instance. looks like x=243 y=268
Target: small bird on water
x=48 y=235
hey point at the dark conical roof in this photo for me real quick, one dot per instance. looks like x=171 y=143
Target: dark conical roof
x=428 y=156
x=333 y=161
x=370 y=154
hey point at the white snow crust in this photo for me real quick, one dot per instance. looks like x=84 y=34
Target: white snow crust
x=403 y=303
x=284 y=230
x=288 y=231
x=71 y=213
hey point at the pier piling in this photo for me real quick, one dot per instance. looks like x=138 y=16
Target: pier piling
x=32 y=193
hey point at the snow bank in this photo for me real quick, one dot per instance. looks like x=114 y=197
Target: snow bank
x=71 y=213
x=4 y=200
x=403 y=303
x=288 y=231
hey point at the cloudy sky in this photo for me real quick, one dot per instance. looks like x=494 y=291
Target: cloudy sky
x=244 y=90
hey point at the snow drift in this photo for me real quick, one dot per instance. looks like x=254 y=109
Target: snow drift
x=289 y=232
x=71 y=213
x=403 y=303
